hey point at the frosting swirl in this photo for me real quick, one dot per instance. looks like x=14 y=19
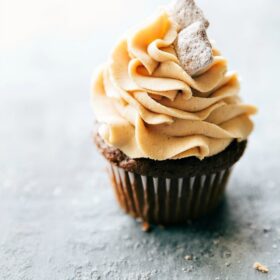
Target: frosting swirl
x=149 y=107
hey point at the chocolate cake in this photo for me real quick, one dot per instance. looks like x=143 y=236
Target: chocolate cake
x=172 y=168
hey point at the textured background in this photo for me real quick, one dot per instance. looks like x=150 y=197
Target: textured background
x=58 y=216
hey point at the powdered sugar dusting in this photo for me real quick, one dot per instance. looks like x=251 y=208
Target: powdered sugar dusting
x=193 y=48
x=186 y=12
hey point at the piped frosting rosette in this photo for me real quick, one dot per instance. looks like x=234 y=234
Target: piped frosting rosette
x=148 y=106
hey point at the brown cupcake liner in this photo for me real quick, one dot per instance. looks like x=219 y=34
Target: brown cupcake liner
x=165 y=200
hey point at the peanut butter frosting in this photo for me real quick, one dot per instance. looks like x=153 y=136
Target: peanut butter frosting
x=148 y=106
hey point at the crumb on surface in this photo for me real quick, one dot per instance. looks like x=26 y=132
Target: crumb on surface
x=267 y=229
x=260 y=267
x=188 y=257
x=216 y=242
x=188 y=269
x=146 y=227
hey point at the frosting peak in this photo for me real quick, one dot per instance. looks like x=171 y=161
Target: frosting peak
x=148 y=106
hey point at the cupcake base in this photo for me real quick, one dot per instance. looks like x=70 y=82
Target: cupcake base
x=168 y=201
x=170 y=191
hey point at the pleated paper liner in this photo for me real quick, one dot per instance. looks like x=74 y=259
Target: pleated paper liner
x=168 y=201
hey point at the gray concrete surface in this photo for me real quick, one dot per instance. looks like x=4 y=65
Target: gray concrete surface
x=58 y=216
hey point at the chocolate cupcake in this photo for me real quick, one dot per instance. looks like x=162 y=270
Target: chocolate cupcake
x=170 y=121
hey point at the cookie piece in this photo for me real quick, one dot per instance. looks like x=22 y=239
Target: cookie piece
x=193 y=48
x=186 y=12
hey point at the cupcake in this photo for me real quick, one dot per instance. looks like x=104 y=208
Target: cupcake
x=170 y=122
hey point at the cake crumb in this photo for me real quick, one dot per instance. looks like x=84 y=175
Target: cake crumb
x=146 y=227
x=260 y=267
x=190 y=269
x=253 y=226
x=216 y=242
x=267 y=229
x=188 y=257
